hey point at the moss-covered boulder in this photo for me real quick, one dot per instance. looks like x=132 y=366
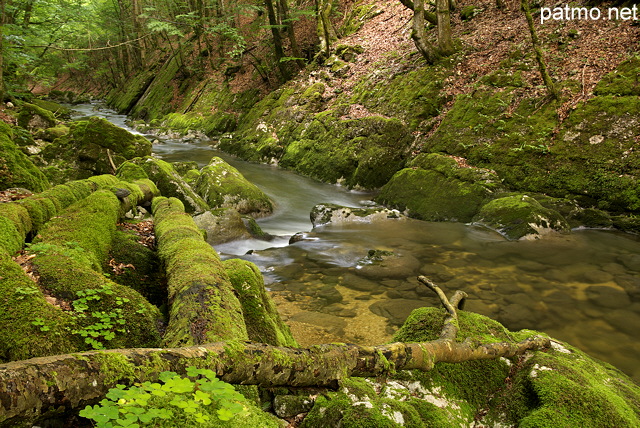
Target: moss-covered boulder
x=595 y=156
x=92 y=147
x=59 y=111
x=16 y=169
x=521 y=217
x=559 y=387
x=261 y=316
x=293 y=128
x=623 y=81
x=438 y=188
x=337 y=214
x=33 y=117
x=223 y=186
x=169 y=182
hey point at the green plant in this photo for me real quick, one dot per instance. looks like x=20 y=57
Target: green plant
x=39 y=322
x=23 y=292
x=177 y=401
x=106 y=324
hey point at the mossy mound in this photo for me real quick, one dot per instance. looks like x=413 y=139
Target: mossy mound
x=16 y=169
x=595 y=156
x=92 y=147
x=222 y=186
x=169 y=182
x=33 y=117
x=23 y=332
x=520 y=217
x=558 y=387
x=261 y=317
x=436 y=188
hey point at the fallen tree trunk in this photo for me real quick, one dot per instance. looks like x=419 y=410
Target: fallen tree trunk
x=32 y=388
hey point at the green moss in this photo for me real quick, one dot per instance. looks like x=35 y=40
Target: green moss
x=155 y=102
x=520 y=216
x=16 y=169
x=32 y=116
x=357 y=16
x=115 y=367
x=428 y=194
x=261 y=316
x=123 y=99
x=21 y=304
x=59 y=111
x=222 y=186
x=623 y=81
x=203 y=305
x=92 y=147
x=171 y=184
x=129 y=171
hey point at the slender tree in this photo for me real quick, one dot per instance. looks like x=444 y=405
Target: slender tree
x=542 y=65
x=419 y=34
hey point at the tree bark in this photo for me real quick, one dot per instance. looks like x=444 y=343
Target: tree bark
x=325 y=30
x=32 y=388
x=430 y=17
x=418 y=33
x=542 y=65
x=445 y=42
x=277 y=39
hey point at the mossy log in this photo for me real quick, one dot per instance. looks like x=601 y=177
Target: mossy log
x=71 y=249
x=203 y=306
x=29 y=389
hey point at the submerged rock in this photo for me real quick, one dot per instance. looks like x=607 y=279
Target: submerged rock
x=222 y=225
x=331 y=213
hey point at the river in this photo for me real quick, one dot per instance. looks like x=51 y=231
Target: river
x=583 y=287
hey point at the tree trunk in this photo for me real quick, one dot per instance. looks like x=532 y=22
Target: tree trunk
x=445 y=42
x=325 y=30
x=2 y=21
x=542 y=65
x=277 y=39
x=431 y=18
x=418 y=33
x=32 y=388
x=286 y=18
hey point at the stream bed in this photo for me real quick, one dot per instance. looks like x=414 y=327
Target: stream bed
x=583 y=287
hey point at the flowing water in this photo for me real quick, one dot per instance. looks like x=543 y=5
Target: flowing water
x=583 y=288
